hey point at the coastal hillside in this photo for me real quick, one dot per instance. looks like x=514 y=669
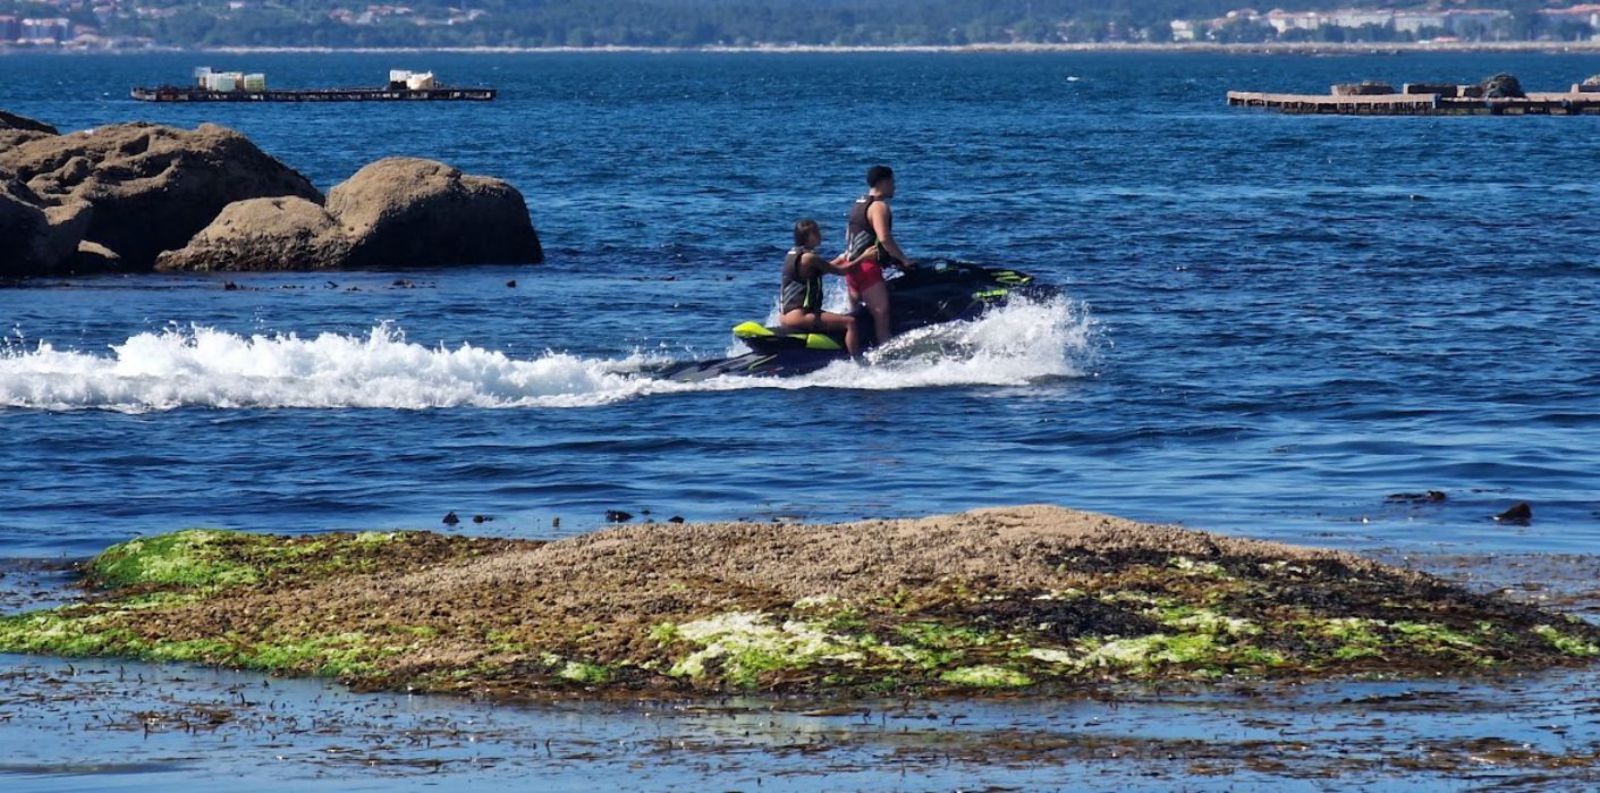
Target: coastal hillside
x=700 y=23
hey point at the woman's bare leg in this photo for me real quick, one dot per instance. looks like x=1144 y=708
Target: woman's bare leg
x=812 y=322
x=852 y=342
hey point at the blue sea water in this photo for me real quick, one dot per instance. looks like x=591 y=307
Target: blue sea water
x=1271 y=322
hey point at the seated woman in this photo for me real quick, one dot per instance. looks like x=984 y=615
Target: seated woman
x=802 y=287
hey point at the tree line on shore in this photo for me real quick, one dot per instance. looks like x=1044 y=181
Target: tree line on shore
x=696 y=23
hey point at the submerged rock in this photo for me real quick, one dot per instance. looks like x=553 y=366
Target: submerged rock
x=1029 y=597
x=1520 y=514
x=1430 y=497
x=152 y=187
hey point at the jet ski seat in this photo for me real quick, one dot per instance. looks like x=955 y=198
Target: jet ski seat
x=764 y=339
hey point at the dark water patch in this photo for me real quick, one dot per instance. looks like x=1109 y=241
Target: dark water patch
x=91 y=769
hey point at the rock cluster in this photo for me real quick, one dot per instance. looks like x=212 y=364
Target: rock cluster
x=139 y=196
x=396 y=212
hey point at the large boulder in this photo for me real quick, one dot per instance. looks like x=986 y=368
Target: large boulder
x=397 y=212
x=152 y=187
x=38 y=240
x=264 y=234
x=404 y=211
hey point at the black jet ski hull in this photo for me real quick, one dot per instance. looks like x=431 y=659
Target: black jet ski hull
x=936 y=293
x=752 y=364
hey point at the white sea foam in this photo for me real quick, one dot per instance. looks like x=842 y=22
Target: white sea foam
x=206 y=367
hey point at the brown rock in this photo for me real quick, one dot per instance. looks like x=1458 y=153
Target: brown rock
x=152 y=186
x=12 y=121
x=69 y=225
x=38 y=240
x=286 y=233
x=24 y=237
x=405 y=211
x=92 y=257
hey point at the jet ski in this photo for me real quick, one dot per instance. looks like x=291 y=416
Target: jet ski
x=941 y=291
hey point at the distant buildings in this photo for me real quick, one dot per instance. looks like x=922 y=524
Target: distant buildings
x=379 y=14
x=52 y=30
x=1580 y=14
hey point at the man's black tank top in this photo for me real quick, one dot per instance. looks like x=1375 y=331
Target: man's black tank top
x=862 y=240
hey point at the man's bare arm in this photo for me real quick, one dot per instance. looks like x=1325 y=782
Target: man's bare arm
x=881 y=224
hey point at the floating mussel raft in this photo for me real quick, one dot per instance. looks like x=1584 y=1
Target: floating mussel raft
x=215 y=86
x=1501 y=95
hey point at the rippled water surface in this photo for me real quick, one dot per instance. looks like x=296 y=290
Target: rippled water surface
x=1272 y=322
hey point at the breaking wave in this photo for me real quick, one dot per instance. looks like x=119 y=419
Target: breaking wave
x=205 y=367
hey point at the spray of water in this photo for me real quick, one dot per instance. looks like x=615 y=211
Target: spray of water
x=205 y=367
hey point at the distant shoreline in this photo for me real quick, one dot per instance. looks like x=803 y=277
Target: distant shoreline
x=1273 y=48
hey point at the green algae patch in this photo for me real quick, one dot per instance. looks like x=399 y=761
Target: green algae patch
x=1029 y=599
x=986 y=677
x=1568 y=643
x=192 y=558
x=739 y=649
x=209 y=558
x=65 y=631
x=583 y=673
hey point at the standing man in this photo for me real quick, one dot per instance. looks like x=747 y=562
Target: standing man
x=871 y=246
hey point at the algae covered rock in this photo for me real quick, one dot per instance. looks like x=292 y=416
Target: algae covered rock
x=1035 y=598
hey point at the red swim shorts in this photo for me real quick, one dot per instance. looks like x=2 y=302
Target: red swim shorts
x=865 y=275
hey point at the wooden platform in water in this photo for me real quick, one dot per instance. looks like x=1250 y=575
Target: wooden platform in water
x=1534 y=104
x=188 y=94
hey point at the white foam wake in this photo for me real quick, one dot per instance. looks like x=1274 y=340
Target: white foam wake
x=205 y=367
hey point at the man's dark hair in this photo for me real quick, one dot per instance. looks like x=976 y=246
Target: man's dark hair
x=803 y=229
x=878 y=173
